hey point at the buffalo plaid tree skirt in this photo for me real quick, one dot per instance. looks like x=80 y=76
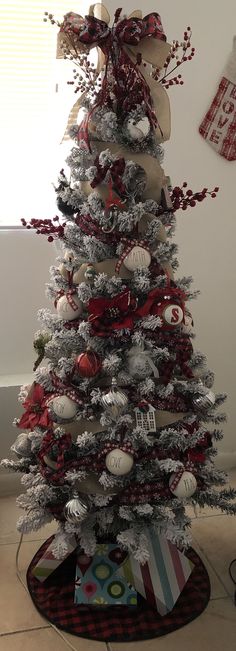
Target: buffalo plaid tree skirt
x=54 y=599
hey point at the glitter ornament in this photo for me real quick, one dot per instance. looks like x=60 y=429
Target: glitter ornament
x=22 y=445
x=183 y=485
x=63 y=407
x=76 y=509
x=138 y=130
x=88 y=364
x=137 y=257
x=67 y=309
x=115 y=400
x=119 y=462
x=140 y=364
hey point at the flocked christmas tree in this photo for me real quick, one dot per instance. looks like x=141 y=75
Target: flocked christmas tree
x=117 y=433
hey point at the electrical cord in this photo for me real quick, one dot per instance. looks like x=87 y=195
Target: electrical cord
x=233 y=576
x=18 y=574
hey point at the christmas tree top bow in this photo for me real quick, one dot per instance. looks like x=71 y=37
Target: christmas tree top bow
x=144 y=36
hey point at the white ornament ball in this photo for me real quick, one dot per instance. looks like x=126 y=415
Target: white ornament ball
x=173 y=315
x=119 y=462
x=63 y=407
x=186 y=486
x=140 y=364
x=65 y=311
x=138 y=130
x=137 y=257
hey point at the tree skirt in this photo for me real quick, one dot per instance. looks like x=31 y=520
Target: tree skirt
x=54 y=599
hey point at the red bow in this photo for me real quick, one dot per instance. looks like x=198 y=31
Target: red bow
x=107 y=315
x=61 y=444
x=116 y=171
x=156 y=296
x=129 y=31
x=36 y=413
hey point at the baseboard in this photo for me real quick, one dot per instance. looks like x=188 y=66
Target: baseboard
x=10 y=484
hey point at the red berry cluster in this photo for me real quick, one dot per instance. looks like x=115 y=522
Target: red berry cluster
x=182 y=198
x=46 y=227
x=180 y=53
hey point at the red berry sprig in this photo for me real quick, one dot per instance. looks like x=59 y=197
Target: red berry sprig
x=183 y=199
x=46 y=227
x=180 y=53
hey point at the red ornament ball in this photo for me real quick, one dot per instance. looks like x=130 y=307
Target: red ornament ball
x=88 y=364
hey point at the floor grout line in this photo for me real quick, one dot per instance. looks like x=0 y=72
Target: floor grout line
x=215 y=571
x=25 y=630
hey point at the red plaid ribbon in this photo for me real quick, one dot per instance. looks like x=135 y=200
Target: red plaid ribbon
x=69 y=295
x=116 y=171
x=129 y=245
x=129 y=31
x=63 y=443
x=64 y=389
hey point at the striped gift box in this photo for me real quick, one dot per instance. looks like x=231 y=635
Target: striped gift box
x=161 y=580
x=48 y=563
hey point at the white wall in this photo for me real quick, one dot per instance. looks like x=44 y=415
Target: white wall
x=206 y=234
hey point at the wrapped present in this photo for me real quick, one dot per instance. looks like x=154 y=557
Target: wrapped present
x=48 y=563
x=161 y=580
x=96 y=580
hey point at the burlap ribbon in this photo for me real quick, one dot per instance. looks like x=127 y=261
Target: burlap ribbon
x=137 y=36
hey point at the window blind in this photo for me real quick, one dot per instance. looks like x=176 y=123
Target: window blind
x=35 y=102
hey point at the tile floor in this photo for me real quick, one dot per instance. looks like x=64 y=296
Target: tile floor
x=23 y=629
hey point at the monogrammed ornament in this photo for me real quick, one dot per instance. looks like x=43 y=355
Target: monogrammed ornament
x=173 y=315
x=137 y=257
x=63 y=407
x=184 y=485
x=69 y=308
x=119 y=462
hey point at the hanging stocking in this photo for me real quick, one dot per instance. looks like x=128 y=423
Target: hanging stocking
x=219 y=124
